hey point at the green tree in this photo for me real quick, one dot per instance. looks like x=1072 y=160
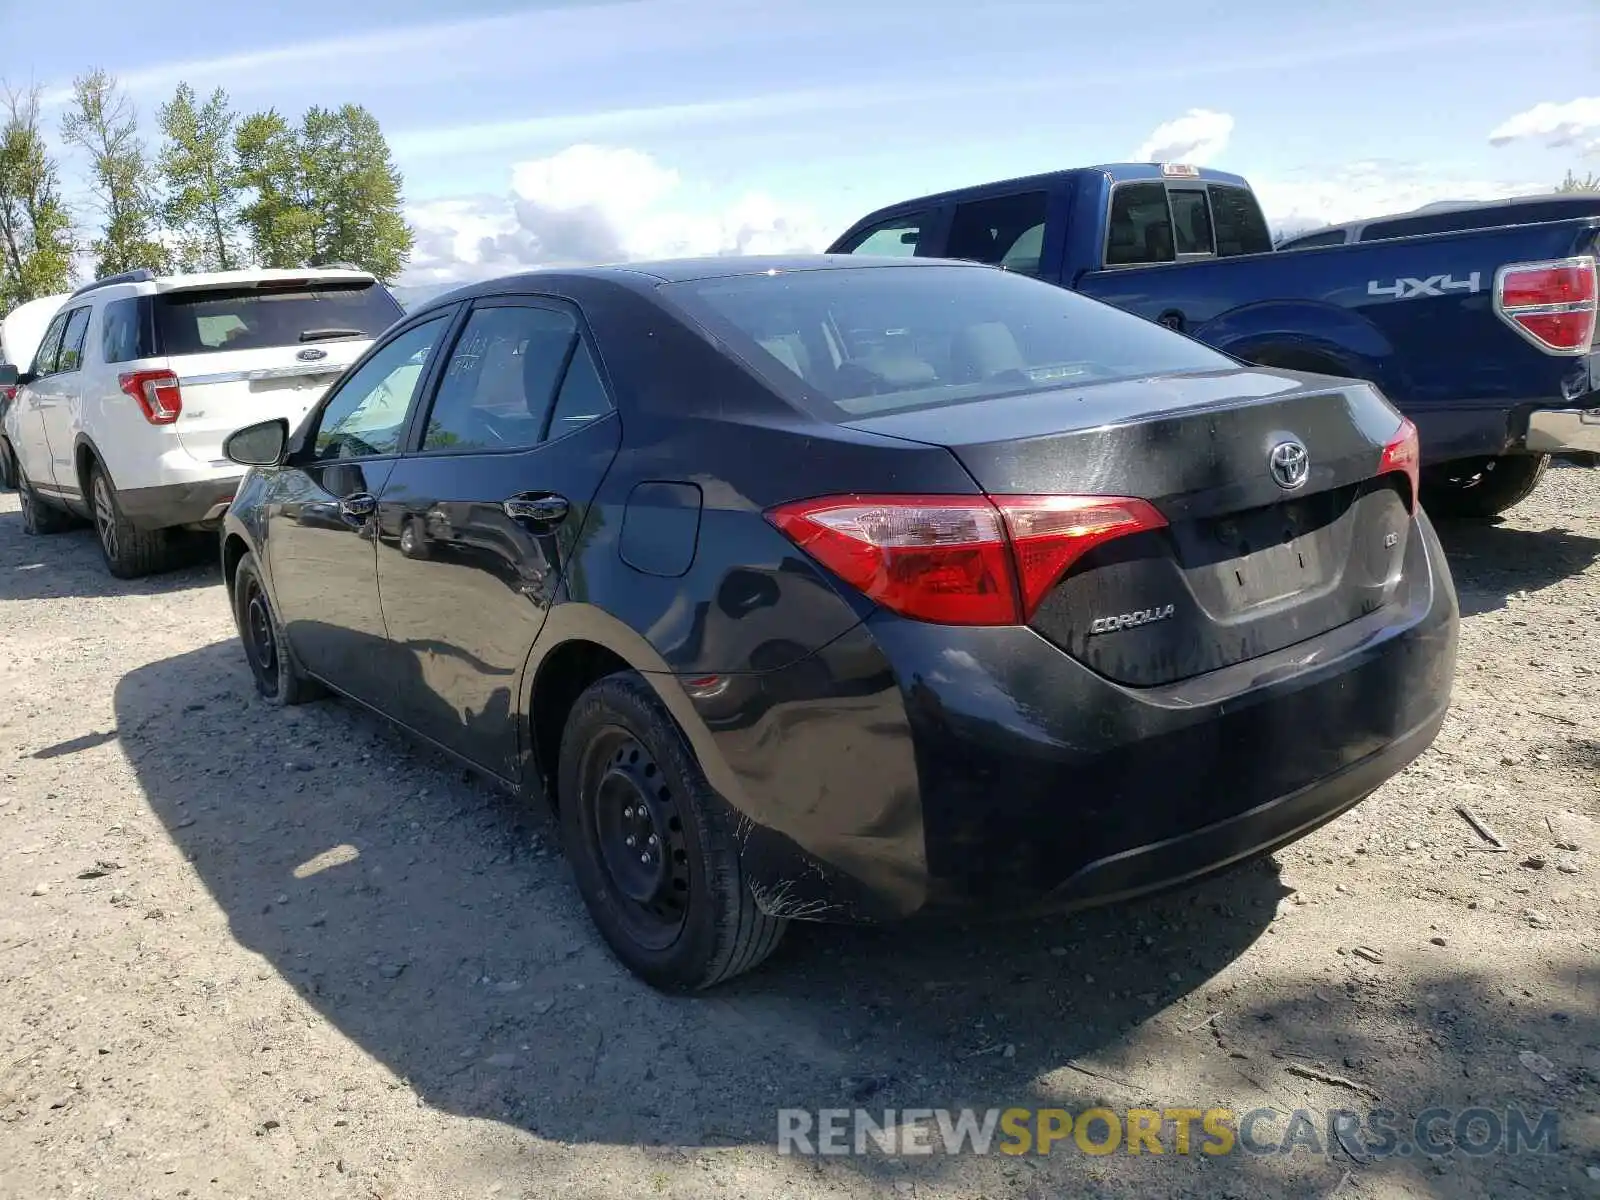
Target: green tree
x=1589 y=183
x=36 y=241
x=327 y=191
x=277 y=215
x=102 y=122
x=200 y=172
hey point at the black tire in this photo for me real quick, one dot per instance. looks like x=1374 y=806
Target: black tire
x=38 y=517
x=686 y=920
x=278 y=677
x=8 y=466
x=1474 y=488
x=130 y=552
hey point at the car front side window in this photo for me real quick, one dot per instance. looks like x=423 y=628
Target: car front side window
x=367 y=416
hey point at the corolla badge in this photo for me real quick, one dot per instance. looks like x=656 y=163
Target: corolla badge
x=311 y=354
x=1131 y=620
x=1290 y=464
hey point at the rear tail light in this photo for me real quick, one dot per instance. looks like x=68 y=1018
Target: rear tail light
x=1404 y=454
x=1552 y=304
x=958 y=560
x=157 y=393
x=8 y=391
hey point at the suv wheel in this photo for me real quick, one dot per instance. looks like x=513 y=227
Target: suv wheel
x=651 y=844
x=278 y=677
x=8 y=466
x=129 y=552
x=38 y=517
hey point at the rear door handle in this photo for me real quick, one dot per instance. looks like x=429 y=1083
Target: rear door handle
x=359 y=506
x=545 y=511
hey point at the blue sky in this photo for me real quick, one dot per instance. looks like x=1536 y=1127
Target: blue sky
x=548 y=131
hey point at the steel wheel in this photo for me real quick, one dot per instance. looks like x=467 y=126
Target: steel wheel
x=260 y=638
x=105 y=515
x=638 y=834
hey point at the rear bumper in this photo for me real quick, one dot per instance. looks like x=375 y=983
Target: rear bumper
x=198 y=503
x=1558 y=430
x=982 y=769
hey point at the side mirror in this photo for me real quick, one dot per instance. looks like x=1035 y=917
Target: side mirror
x=10 y=375
x=258 y=445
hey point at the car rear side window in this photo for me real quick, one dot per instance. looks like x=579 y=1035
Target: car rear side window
x=857 y=341
x=896 y=237
x=1003 y=231
x=1140 y=229
x=254 y=318
x=501 y=381
x=125 y=331
x=1236 y=217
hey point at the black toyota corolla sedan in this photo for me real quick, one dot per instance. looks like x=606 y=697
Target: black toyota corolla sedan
x=845 y=589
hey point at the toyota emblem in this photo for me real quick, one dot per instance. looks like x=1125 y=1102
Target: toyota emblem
x=1290 y=465
x=311 y=354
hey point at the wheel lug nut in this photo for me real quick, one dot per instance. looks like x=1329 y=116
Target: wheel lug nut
x=644 y=858
x=630 y=841
x=652 y=839
x=627 y=812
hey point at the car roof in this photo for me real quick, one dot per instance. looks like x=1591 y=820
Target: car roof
x=646 y=276
x=146 y=282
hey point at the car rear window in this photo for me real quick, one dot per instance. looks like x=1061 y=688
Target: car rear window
x=256 y=318
x=857 y=341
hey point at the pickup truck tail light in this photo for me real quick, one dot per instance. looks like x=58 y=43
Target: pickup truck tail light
x=1404 y=455
x=157 y=393
x=1551 y=304
x=958 y=560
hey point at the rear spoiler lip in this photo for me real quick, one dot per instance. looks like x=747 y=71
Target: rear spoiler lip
x=310 y=276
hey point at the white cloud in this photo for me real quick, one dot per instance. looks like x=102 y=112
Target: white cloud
x=1197 y=137
x=596 y=204
x=1357 y=191
x=1575 y=123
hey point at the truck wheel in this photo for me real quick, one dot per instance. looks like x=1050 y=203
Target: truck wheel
x=129 y=551
x=1481 y=487
x=654 y=853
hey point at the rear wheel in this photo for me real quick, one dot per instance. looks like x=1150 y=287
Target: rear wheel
x=38 y=517
x=278 y=677
x=651 y=844
x=129 y=551
x=8 y=466
x=1481 y=487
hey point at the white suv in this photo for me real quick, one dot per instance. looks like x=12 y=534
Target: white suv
x=139 y=377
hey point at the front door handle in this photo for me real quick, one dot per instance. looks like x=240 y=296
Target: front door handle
x=359 y=506
x=545 y=511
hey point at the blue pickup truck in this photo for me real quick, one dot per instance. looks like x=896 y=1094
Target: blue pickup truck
x=1482 y=333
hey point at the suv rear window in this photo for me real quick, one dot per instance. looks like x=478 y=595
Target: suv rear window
x=256 y=318
x=879 y=339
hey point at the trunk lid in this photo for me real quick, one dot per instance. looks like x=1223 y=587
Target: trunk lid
x=1245 y=565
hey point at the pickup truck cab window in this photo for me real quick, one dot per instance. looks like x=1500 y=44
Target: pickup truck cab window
x=1154 y=223
x=1006 y=231
x=896 y=237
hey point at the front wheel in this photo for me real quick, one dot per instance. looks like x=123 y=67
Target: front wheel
x=1481 y=487
x=277 y=676
x=652 y=846
x=38 y=516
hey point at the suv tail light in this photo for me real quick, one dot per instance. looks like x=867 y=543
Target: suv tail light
x=8 y=391
x=958 y=560
x=1404 y=454
x=1552 y=304
x=157 y=393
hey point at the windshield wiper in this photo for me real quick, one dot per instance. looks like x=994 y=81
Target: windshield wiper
x=327 y=335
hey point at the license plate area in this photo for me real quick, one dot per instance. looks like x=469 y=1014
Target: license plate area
x=1273 y=553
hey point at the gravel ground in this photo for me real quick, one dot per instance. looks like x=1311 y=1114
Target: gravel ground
x=247 y=953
